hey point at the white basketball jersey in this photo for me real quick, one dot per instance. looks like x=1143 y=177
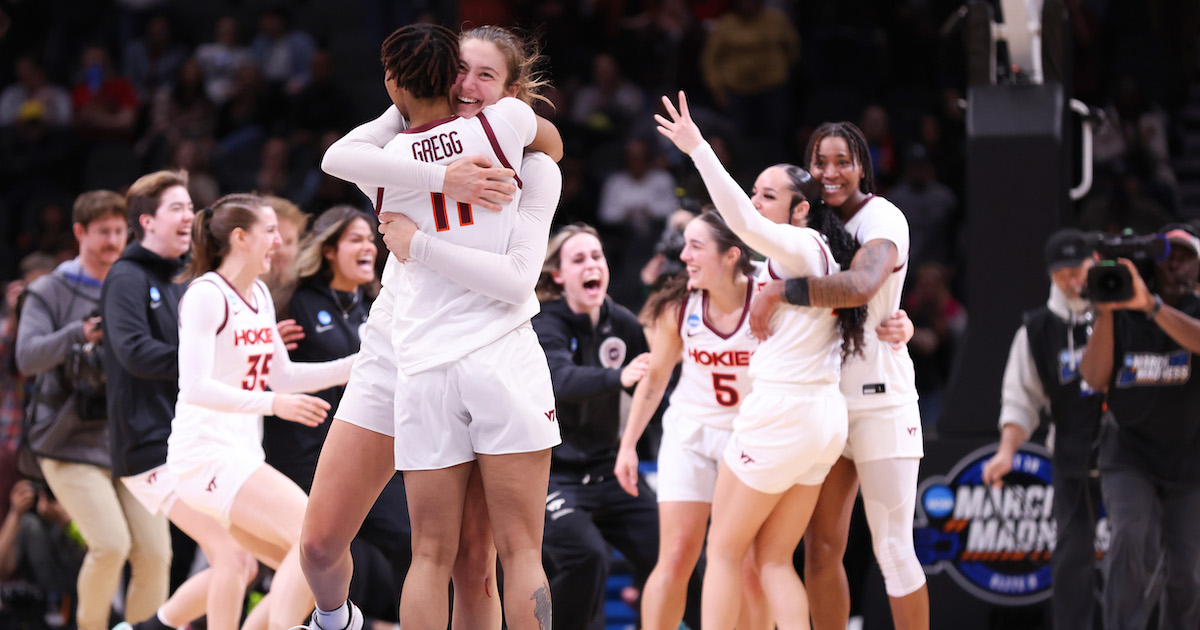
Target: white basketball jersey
x=437 y=321
x=882 y=377
x=715 y=375
x=245 y=344
x=805 y=344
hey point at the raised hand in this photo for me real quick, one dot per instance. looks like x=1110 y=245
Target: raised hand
x=680 y=129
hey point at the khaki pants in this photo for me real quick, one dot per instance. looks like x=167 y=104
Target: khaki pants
x=116 y=528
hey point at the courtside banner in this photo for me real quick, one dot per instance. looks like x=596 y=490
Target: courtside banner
x=993 y=542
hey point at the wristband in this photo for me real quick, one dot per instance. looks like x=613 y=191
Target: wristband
x=1153 y=312
x=795 y=292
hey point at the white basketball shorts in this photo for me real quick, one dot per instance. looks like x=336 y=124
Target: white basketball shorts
x=496 y=400
x=688 y=459
x=787 y=435
x=885 y=433
x=156 y=489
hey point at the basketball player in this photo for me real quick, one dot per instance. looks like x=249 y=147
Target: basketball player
x=440 y=330
x=229 y=353
x=792 y=426
x=885 y=446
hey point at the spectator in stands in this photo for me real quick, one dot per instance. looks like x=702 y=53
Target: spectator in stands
x=634 y=205
x=32 y=86
x=610 y=102
x=748 y=60
x=321 y=106
x=929 y=205
x=179 y=111
x=940 y=323
x=874 y=125
x=37 y=546
x=152 y=62
x=106 y=103
x=221 y=58
x=284 y=53
x=56 y=343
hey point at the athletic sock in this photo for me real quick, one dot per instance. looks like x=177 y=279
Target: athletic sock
x=335 y=619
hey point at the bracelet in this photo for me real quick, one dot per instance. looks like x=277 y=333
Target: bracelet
x=1153 y=312
x=795 y=292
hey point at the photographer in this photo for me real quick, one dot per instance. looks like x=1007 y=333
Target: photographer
x=1042 y=377
x=66 y=424
x=1141 y=353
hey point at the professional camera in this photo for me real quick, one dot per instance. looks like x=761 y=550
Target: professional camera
x=1109 y=280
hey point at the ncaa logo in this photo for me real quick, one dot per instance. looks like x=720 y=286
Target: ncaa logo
x=323 y=318
x=693 y=320
x=995 y=543
x=155 y=296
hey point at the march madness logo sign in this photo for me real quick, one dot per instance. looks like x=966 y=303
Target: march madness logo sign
x=994 y=542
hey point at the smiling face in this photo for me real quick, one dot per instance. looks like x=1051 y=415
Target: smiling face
x=839 y=173
x=772 y=195
x=353 y=257
x=582 y=273
x=261 y=240
x=483 y=79
x=168 y=232
x=707 y=266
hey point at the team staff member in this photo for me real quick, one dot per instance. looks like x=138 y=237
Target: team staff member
x=1142 y=354
x=595 y=348
x=140 y=301
x=1042 y=375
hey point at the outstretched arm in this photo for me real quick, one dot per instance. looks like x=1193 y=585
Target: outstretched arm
x=664 y=355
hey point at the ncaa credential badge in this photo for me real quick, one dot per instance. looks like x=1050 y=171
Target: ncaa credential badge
x=994 y=542
x=612 y=352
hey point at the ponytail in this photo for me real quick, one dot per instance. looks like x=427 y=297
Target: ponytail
x=212 y=228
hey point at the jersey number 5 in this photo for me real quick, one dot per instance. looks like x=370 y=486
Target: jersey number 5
x=439 y=213
x=727 y=396
x=256 y=376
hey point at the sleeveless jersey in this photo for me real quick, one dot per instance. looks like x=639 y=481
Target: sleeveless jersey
x=437 y=321
x=882 y=377
x=715 y=374
x=244 y=349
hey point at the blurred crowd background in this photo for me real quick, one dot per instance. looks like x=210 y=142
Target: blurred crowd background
x=247 y=94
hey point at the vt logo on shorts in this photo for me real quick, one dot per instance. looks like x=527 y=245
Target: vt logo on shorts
x=746 y=459
x=550 y=415
x=212 y=484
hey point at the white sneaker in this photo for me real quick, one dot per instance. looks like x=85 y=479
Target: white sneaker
x=355 y=622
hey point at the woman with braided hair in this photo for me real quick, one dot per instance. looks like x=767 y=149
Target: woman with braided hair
x=884 y=446
x=791 y=427
x=452 y=379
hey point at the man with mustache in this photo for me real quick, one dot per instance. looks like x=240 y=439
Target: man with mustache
x=59 y=330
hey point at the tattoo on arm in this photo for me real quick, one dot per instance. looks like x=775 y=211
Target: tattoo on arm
x=858 y=284
x=541 y=608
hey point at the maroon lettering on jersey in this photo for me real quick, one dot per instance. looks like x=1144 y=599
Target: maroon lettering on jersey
x=729 y=358
x=439 y=147
x=251 y=336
